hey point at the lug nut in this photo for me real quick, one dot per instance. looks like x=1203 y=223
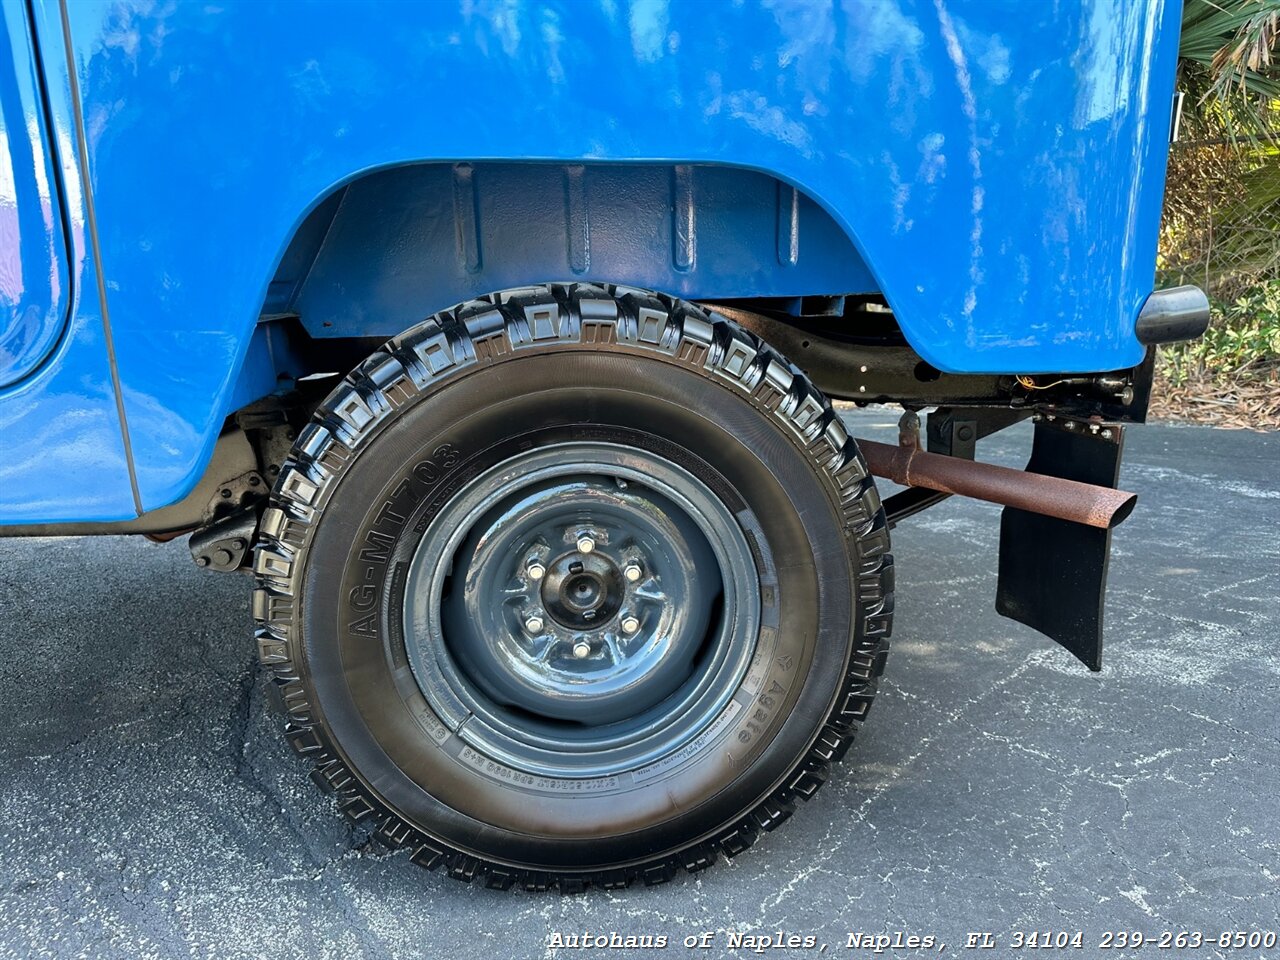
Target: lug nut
x=632 y=572
x=533 y=624
x=630 y=624
x=586 y=544
x=582 y=649
x=535 y=570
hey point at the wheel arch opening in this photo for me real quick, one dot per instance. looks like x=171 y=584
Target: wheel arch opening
x=382 y=251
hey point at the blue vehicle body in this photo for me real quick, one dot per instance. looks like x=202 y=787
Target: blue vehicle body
x=179 y=177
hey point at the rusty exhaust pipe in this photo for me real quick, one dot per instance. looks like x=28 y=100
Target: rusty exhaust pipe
x=907 y=464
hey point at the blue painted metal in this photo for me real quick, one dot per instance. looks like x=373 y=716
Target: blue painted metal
x=33 y=254
x=269 y=366
x=62 y=454
x=997 y=166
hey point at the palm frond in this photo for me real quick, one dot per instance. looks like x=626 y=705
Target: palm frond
x=1229 y=65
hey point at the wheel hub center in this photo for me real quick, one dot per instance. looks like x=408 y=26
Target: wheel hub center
x=583 y=591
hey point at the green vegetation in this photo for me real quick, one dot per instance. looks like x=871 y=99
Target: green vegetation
x=1229 y=69
x=1221 y=227
x=1243 y=342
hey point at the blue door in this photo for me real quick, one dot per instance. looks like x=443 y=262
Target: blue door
x=33 y=253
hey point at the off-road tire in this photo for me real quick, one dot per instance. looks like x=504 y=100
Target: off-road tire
x=650 y=332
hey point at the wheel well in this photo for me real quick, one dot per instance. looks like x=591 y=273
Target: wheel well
x=395 y=245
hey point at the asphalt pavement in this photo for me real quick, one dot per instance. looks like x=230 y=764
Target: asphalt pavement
x=149 y=807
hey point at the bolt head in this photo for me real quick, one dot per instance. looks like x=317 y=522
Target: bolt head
x=535 y=570
x=1107 y=434
x=534 y=624
x=632 y=572
x=202 y=561
x=586 y=544
x=582 y=649
x=630 y=624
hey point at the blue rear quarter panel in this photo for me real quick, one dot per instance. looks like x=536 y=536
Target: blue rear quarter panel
x=997 y=166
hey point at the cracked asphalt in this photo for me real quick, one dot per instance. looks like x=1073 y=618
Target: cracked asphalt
x=149 y=807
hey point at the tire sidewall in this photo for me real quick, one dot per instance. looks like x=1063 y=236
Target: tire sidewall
x=402 y=474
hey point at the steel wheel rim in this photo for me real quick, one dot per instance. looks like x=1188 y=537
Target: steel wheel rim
x=527 y=697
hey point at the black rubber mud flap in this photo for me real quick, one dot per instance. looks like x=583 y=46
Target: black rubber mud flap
x=1053 y=573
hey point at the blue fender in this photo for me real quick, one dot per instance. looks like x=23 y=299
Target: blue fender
x=997 y=166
